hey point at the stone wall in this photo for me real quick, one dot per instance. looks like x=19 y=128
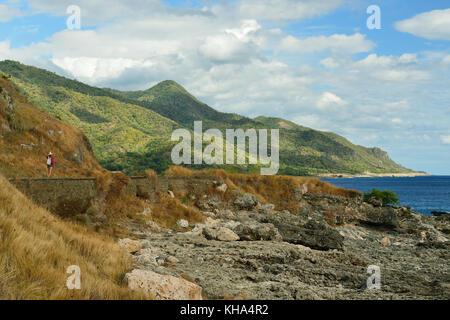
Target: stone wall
x=73 y=196
x=62 y=196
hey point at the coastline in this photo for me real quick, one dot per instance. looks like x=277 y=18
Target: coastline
x=373 y=175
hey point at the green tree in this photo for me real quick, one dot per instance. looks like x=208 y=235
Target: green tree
x=386 y=197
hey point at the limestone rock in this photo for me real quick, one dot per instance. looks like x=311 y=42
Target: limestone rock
x=209 y=214
x=146 y=244
x=222 y=188
x=172 y=259
x=146 y=259
x=375 y=202
x=182 y=223
x=385 y=241
x=255 y=231
x=266 y=208
x=131 y=246
x=246 y=201
x=153 y=226
x=225 y=234
x=211 y=223
x=209 y=233
x=225 y=214
x=163 y=287
x=384 y=217
x=295 y=229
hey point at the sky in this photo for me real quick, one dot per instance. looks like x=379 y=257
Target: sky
x=316 y=63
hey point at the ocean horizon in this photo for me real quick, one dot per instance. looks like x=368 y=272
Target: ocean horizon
x=423 y=194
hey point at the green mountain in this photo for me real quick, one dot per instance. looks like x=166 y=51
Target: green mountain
x=171 y=100
x=131 y=131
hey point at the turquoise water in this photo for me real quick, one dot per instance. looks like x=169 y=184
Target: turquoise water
x=422 y=194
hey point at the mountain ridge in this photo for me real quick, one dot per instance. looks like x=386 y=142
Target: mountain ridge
x=130 y=130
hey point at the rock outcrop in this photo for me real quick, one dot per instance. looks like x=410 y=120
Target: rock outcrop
x=163 y=287
x=131 y=246
x=323 y=252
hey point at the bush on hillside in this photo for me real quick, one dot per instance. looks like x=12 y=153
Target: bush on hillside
x=386 y=197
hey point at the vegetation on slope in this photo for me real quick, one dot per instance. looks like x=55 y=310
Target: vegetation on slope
x=130 y=131
x=28 y=134
x=125 y=137
x=36 y=248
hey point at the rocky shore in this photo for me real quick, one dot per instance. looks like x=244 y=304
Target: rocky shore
x=248 y=250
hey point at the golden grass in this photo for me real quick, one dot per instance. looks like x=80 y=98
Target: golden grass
x=36 y=248
x=178 y=171
x=151 y=174
x=33 y=134
x=169 y=210
x=279 y=190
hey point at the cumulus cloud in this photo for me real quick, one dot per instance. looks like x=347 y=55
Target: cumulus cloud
x=431 y=25
x=329 y=63
x=8 y=13
x=340 y=43
x=329 y=100
x=445 y=139
x=391 y=68
x=233 y=45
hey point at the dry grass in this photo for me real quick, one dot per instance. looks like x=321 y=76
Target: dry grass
x=279 y=190
x=119 y=207
x=169 y=210
x=151 y=174
x=32 y=134
x=36 y=248
x=178 y=171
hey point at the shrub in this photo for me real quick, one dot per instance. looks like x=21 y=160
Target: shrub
x=151 y=174
x=386 y=197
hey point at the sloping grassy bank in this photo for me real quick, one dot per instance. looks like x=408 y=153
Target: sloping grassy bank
x=36 y=248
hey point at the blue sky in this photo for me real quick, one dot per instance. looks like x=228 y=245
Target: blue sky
x=313 y=62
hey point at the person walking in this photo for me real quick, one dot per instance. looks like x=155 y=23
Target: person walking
x=50 y=164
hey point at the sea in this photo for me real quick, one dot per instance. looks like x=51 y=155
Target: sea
x=422 y=194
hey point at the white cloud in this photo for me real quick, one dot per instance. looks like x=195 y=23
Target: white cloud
x=97 y=70
x=330 y=100
x=329 y=63
x=234 y=45
x=446 y=59
x=286 y=9
x=373 y=60
x=431 y=25
x=445 y=139
x=7 y=13
x=339 y=43
x=391 y=68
